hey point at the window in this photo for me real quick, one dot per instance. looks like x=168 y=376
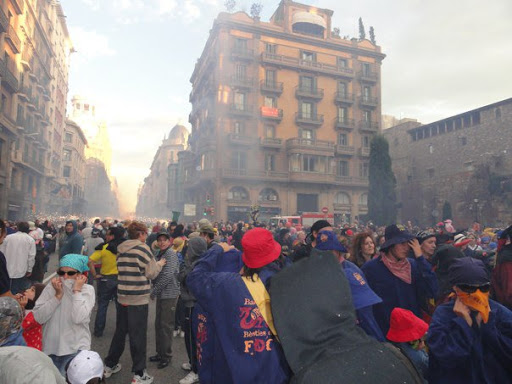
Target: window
x=270 y=131
x=367 y=116
x=66 y=171
x=466 y=120
x=365 y=141
x=270 y=163
x=240 y=45
x=239 y=160
x=342 y=198
x=363 y=170
x=307 y=83
x=342 y=139
x=4 y=103
x=307 y=136
x=442 y=128
x=342 y=89
x=271 y=48
x=238 y=128
x=343 y=168
x=307 y=56
x=270 y=101
x=342 y=114
x=268 y=194
x=238 y=193
x=307 y=110
x=309 y=163
x=458 y=123
x=476 y=118
x=240 y=72
x=367 y=69
x=367 y=93
x=66 y=155
x=68 y=137
x=363 y=199
x=342 y=63
x=270 y=77
x=240 y=101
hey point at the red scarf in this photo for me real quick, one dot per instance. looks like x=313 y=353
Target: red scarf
x=401 y=268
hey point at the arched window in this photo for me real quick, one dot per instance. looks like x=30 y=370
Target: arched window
x=342 y=198
x=238 y=193
x=268 y=194
x=363 y=199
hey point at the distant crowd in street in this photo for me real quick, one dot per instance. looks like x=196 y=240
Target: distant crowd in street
x=255 y=303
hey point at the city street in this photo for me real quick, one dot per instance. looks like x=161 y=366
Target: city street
x=172 y=374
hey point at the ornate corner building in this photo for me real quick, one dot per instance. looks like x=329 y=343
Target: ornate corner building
x=282 y=116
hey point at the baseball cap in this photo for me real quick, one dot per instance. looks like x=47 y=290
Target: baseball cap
x=85 y=366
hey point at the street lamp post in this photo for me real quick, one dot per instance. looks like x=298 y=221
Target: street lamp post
x=476 y=209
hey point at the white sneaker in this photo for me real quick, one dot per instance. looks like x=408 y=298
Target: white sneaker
x=191 y=378
x=176 y=332
x=186 y=366
x=110 y=371
x=144 y=379
x=182 y=334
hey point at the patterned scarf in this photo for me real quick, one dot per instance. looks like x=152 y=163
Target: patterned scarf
x=400 y=268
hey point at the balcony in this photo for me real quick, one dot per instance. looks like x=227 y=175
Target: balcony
x=345 y=150
x=271 y=142
x=309 y=118
x=344 y=97
x=197 y=177
x=253 y=174
x=4 y=21
x=369 y=126
x=24 y=93
x=25 y=59
x=20 y=123
x=364 y=151
x=8 y=122
x=13 y=40
x=344 y=123
x=8 y=73
x=270 y=113
x=352 y=181
x=313 y=66
x=242 y=110
x=238 y=139
x=368 y=101
x=368 y=76
x=241 y=81
x=45 y=120
x=311 y=177
x=242 y=54
x=309 y=92
x=274 y=87
x=310 y=146
x=46 y=95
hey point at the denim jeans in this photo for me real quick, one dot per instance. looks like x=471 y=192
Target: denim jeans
x=131 y=320
x=61 y=362
x=107 y=290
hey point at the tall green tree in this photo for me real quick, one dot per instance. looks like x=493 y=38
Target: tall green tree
x=372 y=35
x=447 y=211
x=362 y=33
x=382 y=207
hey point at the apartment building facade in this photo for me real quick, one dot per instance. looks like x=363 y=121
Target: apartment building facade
x=33 y=69
x=282 y=116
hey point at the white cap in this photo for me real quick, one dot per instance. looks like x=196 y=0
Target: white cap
x=85 y=366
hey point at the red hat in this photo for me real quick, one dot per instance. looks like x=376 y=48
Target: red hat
x=405 y=326
x=259 y=247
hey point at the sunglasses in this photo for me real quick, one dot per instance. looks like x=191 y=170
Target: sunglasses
x=69 y=273
x=472 y=288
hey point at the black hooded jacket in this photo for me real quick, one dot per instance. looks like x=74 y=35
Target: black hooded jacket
x=316 y=323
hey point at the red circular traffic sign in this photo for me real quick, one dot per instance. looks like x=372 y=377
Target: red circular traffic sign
x=325 y=210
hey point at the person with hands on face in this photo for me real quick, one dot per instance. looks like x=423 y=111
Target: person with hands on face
x=400 y=281
x=470 y=338
x=64 y=309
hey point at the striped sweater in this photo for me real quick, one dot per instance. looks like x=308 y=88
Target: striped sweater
x=166 y=284
x=136 y=266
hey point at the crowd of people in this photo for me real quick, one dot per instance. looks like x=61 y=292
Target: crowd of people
x=258 y=304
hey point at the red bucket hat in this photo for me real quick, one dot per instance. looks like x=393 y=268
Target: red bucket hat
x=405 y=326
x=259 y=247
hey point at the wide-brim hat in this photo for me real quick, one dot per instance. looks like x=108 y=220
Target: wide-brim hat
x=259 y=247
x=468 y=271
x=405 y=326
x=395 y=234
x=327 y=241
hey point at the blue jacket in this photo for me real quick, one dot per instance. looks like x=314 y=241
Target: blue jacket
x=73 y=242
x=396 y=293
x=245 y=351
x=462 y=354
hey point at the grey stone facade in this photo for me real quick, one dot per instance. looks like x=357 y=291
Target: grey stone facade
x=464 y=159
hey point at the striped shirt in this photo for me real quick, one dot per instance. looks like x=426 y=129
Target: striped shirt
x=136 y=266
x=166 y=284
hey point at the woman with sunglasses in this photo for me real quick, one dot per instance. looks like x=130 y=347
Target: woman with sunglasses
x=64 y=309
x=470 y=337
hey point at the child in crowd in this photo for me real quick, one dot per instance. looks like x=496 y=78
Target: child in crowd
x=408 y=332
x=32 y=330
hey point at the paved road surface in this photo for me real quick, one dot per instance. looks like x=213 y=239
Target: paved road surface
x=170 y=375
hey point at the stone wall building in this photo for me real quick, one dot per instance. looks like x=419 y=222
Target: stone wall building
x=35 y=52
x=464 y=160
x=282 y=116
x=157 y=196
x=101 y=200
